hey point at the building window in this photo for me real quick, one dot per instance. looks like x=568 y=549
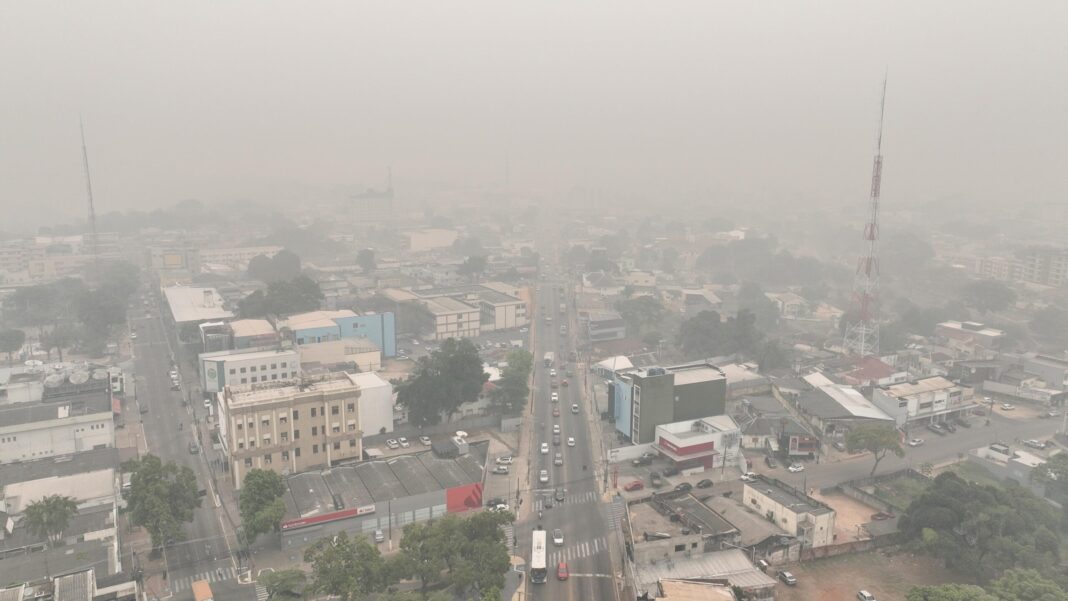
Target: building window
x=240 y=426
x=315 y=430
x=267 y=441
x=315 y=449
x=244 y=380
x=274 y=376
x=285 y=455
x=283 y=365
x=334 y=409
x=296 y=452
x=352 y=427
x=680 y=548
x=248 y=462
x=252 y=444
x=284 y=436
x=335 y=429
x=251 y=424
x=274 y=366
x=350 y=407
x=242 y=370
x=337 y=446
x=296 y=434
x=283 y=418
x=313 y=412
x=267 y=459
x=352 y=443
x=232 y=371
x=292 y=374
x=266 y=423
x=296 y=415
x=240 y=445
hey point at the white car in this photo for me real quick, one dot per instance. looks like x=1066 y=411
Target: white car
x=506 y=460
x=207 y=403
x=558 y=460
x=133 y=335
x=556 y=428
x=403 y=442
x=570 y=441
x=555 y=397
x=796 y=467
x=915 y=442
x=543 y=476
x=544 y=448
x=574 y=408
x=749 y=477
x=558 y=537
x=392 y=443
x=1008 y=407
x=865 y=596
x=424 y=440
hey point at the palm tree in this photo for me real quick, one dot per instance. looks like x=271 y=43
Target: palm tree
x=48 y=517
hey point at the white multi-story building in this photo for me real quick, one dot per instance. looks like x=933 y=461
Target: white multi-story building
x=790 y=509
x=453 y=318
x=240 y=370
x=933 y=399
x=41 y=425
x=376 y=403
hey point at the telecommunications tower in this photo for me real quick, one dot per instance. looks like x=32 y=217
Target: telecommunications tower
x=93 y=243
x=862 y=334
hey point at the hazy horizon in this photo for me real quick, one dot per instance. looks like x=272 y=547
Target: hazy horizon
x=273 y=101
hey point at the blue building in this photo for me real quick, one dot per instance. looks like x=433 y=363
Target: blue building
x=323 y=326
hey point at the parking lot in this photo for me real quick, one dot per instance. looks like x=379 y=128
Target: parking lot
x=888 y=577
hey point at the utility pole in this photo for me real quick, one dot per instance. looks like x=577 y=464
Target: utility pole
x=862 y=336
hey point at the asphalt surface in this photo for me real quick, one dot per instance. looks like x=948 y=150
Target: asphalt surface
x=583 y=516
x=168 y=427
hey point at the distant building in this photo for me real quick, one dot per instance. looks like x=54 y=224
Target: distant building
x=605 y=325
x=190 y=305
x=925 y=401
x=376 y=403
x=323 y=326
x=241 y=370
x=970 y=338
x=252 y=333
x=643 y=399
x=341 y=355
x=453 y=318
x=833 y=409
x=1044 y=265
x=791 y=509
x=431 y=239
x=290 y=429
x=468 y=311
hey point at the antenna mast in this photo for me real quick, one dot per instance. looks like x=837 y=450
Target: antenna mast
x=92 y=210
x=862 y=336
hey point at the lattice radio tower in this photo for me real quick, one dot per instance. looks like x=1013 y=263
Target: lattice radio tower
x=862 y=335
x=93 y=242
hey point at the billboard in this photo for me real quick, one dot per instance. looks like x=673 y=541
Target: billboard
x=328 y=517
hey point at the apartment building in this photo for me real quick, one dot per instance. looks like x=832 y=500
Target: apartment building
x=1038 y=265
x=291 y=428
x=453 y=318
x=241 y=370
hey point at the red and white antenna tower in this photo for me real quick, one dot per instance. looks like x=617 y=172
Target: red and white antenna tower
x=862 y=335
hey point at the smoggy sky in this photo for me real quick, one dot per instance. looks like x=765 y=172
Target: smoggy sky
x=255 y=99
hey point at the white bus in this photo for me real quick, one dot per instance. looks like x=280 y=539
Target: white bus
x=538 y=571
x=550 y=357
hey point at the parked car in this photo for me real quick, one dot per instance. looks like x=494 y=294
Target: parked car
x=915 y=442
x=392 y=443
x=655 y=480
x=749 y=477
x=979 y=411
x=787 y=578
x=962 y=422
x=770 y=462
x=379 y=536
x=839 y=445
x=633 y=486
x=706 y=483
x=1035 y=444
x=937 y=429
x=949 y=426
x=403 y=442
x=880 y=516
x=1049 y=414
x=669 y=471
x=1008 y=407
x=425 y=441
x=561 y=571
x=684 y=487
x=640 y=461
x=506 y=460
x=796 y=467
x=865 y=596
x=207 y=403
x=500 y=470
x=194 y=448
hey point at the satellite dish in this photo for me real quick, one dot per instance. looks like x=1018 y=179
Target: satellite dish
x=100 y=374
x=79 y=377
x=53 y=380
x=34 y=363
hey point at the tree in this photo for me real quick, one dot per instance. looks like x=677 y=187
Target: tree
x=366 y=259
x=987 y=295
x=513 y=389
x=261 y=504
x=641 y=314
x=472 y=267
x=284 y=297
x=1026 y=585
x=1050 y=322
x=285 y=265
x=11 y=342
x=48 y=517
x=59 y=338
x=442 y=381
x=949 y=592
x=284 y=584
x=161 y=497
x=260 y=268
x=424 y=550
x=1053 y=475
x=877 y=439
x=751 y=298
x=349 y=568
x=701 y=334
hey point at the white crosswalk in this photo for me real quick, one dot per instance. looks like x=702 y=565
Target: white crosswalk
x=571 y=499
x=261 y=592
x=615 y=514
x=509 y=535
x=227 y=573
x=578 y=550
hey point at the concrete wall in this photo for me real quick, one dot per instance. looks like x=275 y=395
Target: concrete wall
x=701 y=399
x=309 y=335
x=24 y=442
x=376 y=409
x=655 y=400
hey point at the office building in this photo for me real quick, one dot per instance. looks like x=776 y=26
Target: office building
x=642 y=399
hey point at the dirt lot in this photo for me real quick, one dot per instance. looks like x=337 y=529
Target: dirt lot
x=850 y=513
x=888 y=577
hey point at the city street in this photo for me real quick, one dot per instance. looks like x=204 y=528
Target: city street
x=205 y=551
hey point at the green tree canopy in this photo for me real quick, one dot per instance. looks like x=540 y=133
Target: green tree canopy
x=366 y=259
x=349 y=568
x=10 y=342
x=442 y=381
x=283 y=297
x=513 y=388
x=262 y=507
x=987 y=295
x=50 y=516
x=877 y=439
x=284 y=585
x=642 y=314
x=1026 y=585
x=161 y=497
x=949 y=592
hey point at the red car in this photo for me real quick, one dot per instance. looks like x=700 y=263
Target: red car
x=564 y=383
x=561 y=571
x=556 y=412
x=636 y=485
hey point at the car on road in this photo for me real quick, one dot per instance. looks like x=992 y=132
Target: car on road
x=544 y=448
x=552 y=373
x=670 y=471
x=393 y=444
x=556 y=440
x=633 y=486
x=553 y=384
x=543 y=476
x=556 y=412
x=1008 y=407
x=554 y=397
x=795 y=468
x=144 y=408
x=207 y=403
x=749 y=477
x=558 y=459
x=403 y=442
x=563 y=383
x=133 y=335
x=498 y=507
x=1049 y=414
x=558 y=537
x=501 y=470
x=949 y=427
x=570 y=441
x=787 y=578
x=505 y=460
x=937 y=429
x=425 y=441
x=561 y=571
x=194 y=448
x=524 y=330
x=770 y=462
x=379 y=536
x=574 y=408
x=559 y=495
x=1035 y=444
x=915 y=442
x=865 y=596
x=706 y=483
x=684 y=487
x=556 y=428
x=839 y=445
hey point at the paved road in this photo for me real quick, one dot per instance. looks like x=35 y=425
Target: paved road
x=583 y=516
x=936 y=449
x=168 y=428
